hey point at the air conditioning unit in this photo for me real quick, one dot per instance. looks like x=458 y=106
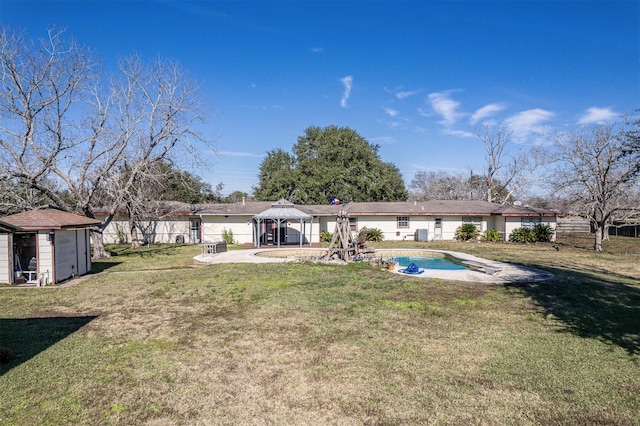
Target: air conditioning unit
x=422 y=235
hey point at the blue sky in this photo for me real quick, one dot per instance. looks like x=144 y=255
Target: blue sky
x=414 y=77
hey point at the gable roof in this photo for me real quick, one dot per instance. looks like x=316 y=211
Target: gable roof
x=48 y=218
x=382 y=208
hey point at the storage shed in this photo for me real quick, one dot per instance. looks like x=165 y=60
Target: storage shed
x=44 y=246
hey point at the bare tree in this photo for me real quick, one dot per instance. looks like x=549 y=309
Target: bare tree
x=597 y=169
x=441 y=186
x=507 y=175
x=65 y=129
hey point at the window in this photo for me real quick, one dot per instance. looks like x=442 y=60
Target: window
x=353 y=224
x=476 y=220
x=530 y=222
x=403 y=221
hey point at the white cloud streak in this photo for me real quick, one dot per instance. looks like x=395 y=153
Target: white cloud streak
x=446 y=107
x=528 y=124
x=407 y=94
x=485 y=112
x=348 y=83
x=595 y=115
x=390 y=112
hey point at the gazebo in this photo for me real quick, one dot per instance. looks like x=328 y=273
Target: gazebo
x=270 y=226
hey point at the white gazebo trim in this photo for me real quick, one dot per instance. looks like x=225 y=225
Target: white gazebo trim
x=282 y=211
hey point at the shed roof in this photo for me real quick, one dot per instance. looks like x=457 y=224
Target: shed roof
x=48 y=218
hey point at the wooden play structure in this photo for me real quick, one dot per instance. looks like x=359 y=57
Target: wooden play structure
x=342 y=243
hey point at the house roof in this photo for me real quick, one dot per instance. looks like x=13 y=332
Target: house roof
x=48 y=218
x=400 y=208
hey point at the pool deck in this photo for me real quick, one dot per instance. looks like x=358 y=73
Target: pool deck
x=509 y=273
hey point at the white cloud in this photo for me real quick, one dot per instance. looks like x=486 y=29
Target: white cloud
x=527 y=124
x=458 y=133
x=486 y=111
x=348 y=83
x=446 y=107
x=391 y=112
x=597 y=115
x=406 y=94
x=317 y=50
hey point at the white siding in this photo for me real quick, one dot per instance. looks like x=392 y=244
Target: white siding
x=157 y=231
x=45 y=256
x=214 y=226
x=6 y=261
x=510 y=224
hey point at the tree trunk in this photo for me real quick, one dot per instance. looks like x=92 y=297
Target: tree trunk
x=598 y=243
x=97 y=242
x=135 y=241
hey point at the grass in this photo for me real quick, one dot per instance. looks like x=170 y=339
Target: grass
x=326 y=344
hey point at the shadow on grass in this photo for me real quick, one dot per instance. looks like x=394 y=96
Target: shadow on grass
x=591 y=306
x=101 y=266
x=27 y=337
x=145 y=250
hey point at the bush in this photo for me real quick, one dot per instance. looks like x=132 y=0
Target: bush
x=491 y=235
x=362 y=235
x=376 y=235
x=466 y=232
x=326 y=236
x=544 y=232
x=522 y=235
x=227 y=236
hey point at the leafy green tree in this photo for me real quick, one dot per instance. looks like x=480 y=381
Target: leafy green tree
x=329 y=162
x=277 y=177
x=178 y=185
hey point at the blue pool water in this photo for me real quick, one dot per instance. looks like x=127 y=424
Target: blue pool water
x=429 y=263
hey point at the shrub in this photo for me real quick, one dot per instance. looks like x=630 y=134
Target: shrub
x=362 y=234
x=544 y=232
x=466 y=232
x=227 y=236
x=375 y=235
x=522 y=235
x=491 y=235
x=326 y=236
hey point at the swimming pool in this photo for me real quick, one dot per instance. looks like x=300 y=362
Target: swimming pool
x=429 y=263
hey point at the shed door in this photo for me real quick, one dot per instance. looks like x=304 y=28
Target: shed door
x=65 y=255
x=82 y=244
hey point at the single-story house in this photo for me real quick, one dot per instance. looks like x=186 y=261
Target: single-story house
x=44 y=246
x=256 y=222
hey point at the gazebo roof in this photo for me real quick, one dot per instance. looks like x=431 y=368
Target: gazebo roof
x=283 y=210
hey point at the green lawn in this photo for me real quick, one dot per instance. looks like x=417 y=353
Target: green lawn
x=157 y=340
